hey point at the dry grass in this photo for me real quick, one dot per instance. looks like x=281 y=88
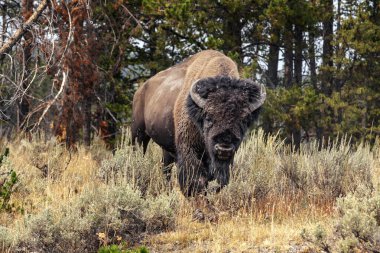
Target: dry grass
x=240 y=233
x=77 y=201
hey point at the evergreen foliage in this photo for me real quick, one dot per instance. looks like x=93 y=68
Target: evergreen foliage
x=320 y=58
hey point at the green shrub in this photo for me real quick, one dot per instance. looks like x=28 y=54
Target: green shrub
x=100 y=216
x=6 y=189
x=8 y=181
x=117 y=249
x=266 y=168
x=130 y=165
x=318 y=236
x=358 y=224
x=129 y=198
x=160 y=212
x=6 y=238
x=328 y=173
x=3 y=156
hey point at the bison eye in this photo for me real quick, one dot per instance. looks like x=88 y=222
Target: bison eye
x=208 y=121
x=245 y=121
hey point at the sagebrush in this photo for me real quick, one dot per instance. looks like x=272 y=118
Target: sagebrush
x=94 y=197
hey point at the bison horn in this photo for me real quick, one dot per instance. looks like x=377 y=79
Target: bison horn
x=195 y=95
x=260 y=100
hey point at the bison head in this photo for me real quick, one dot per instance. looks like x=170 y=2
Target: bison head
x=223 y=108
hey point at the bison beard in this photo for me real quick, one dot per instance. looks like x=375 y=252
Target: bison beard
x=198 y=111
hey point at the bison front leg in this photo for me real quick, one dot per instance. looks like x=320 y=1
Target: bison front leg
x=192 y=184
x=192 y=177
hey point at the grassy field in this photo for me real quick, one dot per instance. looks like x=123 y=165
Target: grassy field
x=277 y=201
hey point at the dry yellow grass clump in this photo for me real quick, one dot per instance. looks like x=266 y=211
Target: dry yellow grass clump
x=277 y=200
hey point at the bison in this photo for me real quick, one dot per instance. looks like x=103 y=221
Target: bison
x=198 y=111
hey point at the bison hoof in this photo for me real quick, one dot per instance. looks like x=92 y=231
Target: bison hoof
x=200 y=216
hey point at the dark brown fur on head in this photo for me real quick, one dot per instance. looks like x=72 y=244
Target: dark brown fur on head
x=223 y=120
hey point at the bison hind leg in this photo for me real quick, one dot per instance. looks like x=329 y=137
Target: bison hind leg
x=167 y=159
x=139 y=136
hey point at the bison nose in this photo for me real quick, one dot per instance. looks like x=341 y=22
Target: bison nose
x=224 y=151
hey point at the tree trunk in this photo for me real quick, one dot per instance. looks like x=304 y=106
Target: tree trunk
x=327 y=65
x=312 y=62
x=340 y=54
x=79 y=59
x=87 y=121
x=273 y=57
x=71 y=129
x=327 y=51
x=288 y=44
x=4 y=24
x=296 y=138
x=232 y=39
x=23 y=110
x=298 y=40
x=153 y=48
x=3 y=30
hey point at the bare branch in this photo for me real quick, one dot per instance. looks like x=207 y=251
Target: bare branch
x=49 y=104
x=24 y=27
x=131 y=15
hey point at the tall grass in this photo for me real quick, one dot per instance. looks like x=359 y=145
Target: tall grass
x=79 y=201
x=129 y=165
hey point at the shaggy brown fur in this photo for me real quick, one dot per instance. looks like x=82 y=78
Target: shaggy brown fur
x=198 y=112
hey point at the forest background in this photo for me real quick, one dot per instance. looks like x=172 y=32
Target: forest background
x=70 y=68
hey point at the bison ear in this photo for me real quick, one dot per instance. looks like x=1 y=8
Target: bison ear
x=196 y=94
x=257 y=94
